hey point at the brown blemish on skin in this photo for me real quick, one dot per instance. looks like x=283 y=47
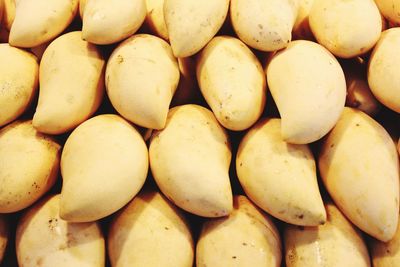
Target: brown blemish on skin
x=53 y=223
x=39 y=261
x=292 y=256
x=120 y=59
x=35 y=185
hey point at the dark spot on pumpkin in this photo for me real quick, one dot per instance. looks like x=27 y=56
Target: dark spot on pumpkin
x=120 y=59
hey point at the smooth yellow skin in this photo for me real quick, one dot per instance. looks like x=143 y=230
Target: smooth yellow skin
x=247 y=237
x=107 y=22
x=383 y=69
x=360 y=169
x=71 y=84
x=37 y=22
x=105 y=158
x=4 y=235
x=359 y=94
x=336 y=243
x=8 y=13
x=309 y=88
x=301 y=28
x=141 y=77
x=19 y=77
x=82 y=4
x=150 y=232
x=190 y=159
x=390 y=9
x=279 y=177
x=44 y=239
x=29 y=165
x=386 y=254
x=192 y=24
x=155 y=18
x=346 y=28
x=265 y=25
x=232 y=81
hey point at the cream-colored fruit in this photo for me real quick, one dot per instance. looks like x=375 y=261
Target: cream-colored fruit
x=301 y=28
x=155 y=18
x=8 y=13
x=29 y=165
x=336 y=243
x=141 y=78
x=247 y=237
x=19 y=76
x=390 y=9
x=232 y=81
x=190 y=159
x=346 y=28
x=360 y=169
x=107 y=22
x=37 y=22
x=279 y=177
x=265 y=25
x=82 y=5
x=150 y=232
x=192 y=24
x=398 y=146
x=309 y=88
x=71 y=84
x=386 y=254
x=44 y=239
x=384 y=71
x=4 y=235
x=104 y=164
x=359 y=94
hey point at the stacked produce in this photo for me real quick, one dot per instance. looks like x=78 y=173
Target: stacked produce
x=204 y=133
